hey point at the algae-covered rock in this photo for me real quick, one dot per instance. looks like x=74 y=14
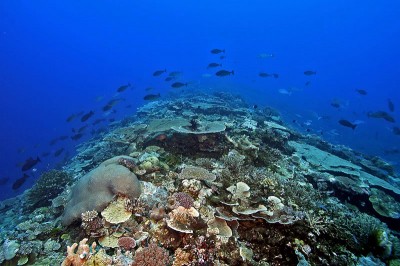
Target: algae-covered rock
x=97 y=188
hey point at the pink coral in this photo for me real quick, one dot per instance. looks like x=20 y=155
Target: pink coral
x=152 y=255
x=181 y=199
x=126 y=243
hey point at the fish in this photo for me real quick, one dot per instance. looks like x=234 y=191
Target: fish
x=167 y=79
x=4 y=180
x=64 y=137
x=336 y=103
x=396 y=131
x=361 y=92
x=310 y=73
x=178 y=85
x=217 y=51
x=111 y=104
x=107 y=107
x=77 y=136
x=347 y=123
x=159 y=72
x=161 y=137
x=123 y=87
x=29 y=163
x=151 y=97
x=81 y=129
x=149 y=89
x=58 y=152
x=264 y=74
x=71 y=117
x=307 y=83
x=275 y=75
x=45 y=154
x=211 y=65
x=285 y=91
x=53 y=141
x=222 y=57
x=175 y=74
x=87 y=116
x=223 y=73
x=98 y=121
x=266 y=55
x=99 y=98
x=390 y=105
x=381 y=114
x=19 y=182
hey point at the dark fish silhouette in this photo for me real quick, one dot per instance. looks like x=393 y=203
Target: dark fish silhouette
x=81 y=129
x=58 y=152
x=346 y=123
x=217 y=51
x=211 y=65
x=222 y=57
x=361 y=92
x=19 y=182
x=307 y=83
x=381 y=114
x=53 y=141
x=73 y=116
x=390 y=105
x=159 y=72
x=396 y=130
x=223 y=73
x=77 y=136
x=175 y=74
x=87 y=116
x=64 y=137
x=309 y=73
x=123 y=88
x=275 y=75
x=107 y=107
x=98 y=121
x=264 y=75
x=44 y=154
x=151 y=97
x=178 y=85
x=167 y=79
x=29 y=163
x=4 y=181
x=111 y=104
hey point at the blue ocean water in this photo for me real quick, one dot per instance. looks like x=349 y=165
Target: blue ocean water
x=62 y=58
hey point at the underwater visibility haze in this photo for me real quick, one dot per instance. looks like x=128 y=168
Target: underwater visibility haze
x=200 y=133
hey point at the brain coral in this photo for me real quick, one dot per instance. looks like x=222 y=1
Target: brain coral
x=96 y=189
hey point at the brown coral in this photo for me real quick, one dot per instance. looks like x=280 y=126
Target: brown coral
x=180 y=199
x=152 y=255
x=126 y=243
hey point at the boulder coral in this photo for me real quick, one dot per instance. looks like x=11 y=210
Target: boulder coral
x=96 y=189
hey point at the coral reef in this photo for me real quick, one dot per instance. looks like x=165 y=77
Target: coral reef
x=47 y=187
x=221 y=184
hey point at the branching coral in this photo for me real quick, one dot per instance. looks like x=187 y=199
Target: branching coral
x=152 y=255
x=81 y=256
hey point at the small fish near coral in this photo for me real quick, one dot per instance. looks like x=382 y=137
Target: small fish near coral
x=29 y=163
